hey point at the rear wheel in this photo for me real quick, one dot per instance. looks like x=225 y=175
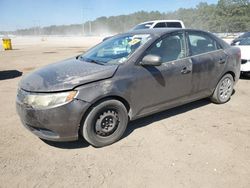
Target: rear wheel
x=224 y=90
x=105 y=123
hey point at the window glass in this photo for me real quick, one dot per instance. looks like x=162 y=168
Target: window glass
x=245 y=35
x=115 y=50
x=143 y=26
x=245 y=42
x=174 y=24
x=170 y=48
x=201 y=43
x=160 y=25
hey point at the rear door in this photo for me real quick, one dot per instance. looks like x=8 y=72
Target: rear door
x=208 y=60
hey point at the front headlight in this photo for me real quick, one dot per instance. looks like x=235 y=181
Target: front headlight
x=45 y=100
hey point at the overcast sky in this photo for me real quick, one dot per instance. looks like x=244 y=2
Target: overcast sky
x=16 y=14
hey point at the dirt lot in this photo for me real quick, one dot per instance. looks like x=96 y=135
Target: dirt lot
x=197 y=145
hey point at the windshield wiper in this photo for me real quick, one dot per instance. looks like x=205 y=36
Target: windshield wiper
x=96 y=62
x=92 y=61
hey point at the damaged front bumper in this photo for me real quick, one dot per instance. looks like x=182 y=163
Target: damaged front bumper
x=59 y=123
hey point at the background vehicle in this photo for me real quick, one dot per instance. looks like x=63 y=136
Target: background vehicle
x=244 y=46
x=160 y=24
x=241 y=37
x=126 y=77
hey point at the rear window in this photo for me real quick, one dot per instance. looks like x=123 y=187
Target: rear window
x=160 y=25
x=174 y=24
x=168 y=24
x=201 y=43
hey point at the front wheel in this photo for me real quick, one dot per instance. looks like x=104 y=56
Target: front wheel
x=105 y=123
x=223 y=90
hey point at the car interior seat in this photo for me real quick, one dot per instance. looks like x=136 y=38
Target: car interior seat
x=203 y=46
x=170 y=49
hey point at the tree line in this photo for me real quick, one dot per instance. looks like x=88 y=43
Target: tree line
x=225 y=16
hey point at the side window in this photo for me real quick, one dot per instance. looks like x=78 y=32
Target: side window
x=170 y=48
x=160 y=25
x=174 y=24
x=201 y=43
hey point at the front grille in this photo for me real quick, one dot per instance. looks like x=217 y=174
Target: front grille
x=243 y=61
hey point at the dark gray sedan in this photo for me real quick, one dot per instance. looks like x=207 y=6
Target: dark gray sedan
x=126 y=77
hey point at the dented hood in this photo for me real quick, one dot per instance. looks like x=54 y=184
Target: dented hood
x=65 y=75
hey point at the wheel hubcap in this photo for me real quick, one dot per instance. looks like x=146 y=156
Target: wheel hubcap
x=226 y=89
x=107 y=123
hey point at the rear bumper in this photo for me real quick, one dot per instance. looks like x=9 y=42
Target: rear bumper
x=54 y=124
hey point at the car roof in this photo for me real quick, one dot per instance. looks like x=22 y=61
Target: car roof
x=161 y=31
x=156 y=21
x=154 y=31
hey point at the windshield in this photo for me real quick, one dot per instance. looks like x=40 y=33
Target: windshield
x=115 y=50
x=143 y=26
x=245 y=35
x=245 y=42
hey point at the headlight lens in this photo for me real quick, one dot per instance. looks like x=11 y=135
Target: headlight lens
x=41 y=100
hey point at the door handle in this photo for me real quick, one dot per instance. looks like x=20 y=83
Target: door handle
x=185 y=70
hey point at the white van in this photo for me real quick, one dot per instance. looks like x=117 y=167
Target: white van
x=160 y=24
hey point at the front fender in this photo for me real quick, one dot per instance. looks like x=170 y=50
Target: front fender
x=96 y=91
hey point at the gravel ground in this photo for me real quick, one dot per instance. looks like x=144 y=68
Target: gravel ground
x=196 y=145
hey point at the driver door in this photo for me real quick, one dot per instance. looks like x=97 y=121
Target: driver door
x=160 y=87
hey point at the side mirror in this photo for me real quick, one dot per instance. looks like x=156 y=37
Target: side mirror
x=151 y=60
x=237 y=43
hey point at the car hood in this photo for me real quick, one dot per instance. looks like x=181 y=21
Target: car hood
x=245 y=52
x=65 y=75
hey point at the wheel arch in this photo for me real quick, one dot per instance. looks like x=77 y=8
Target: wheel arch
x=217 y=82
x=214 y=97
x=230 y=72
x=100 y=100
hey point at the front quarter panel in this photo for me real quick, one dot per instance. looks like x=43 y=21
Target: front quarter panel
x=117 y=86
x=120 y=85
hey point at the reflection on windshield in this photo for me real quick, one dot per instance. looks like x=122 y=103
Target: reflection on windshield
x=115 y=50
x=245 y=42
x=143 y=26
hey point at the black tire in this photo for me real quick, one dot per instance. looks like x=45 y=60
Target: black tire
x=105 y=123
x=223 y=92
